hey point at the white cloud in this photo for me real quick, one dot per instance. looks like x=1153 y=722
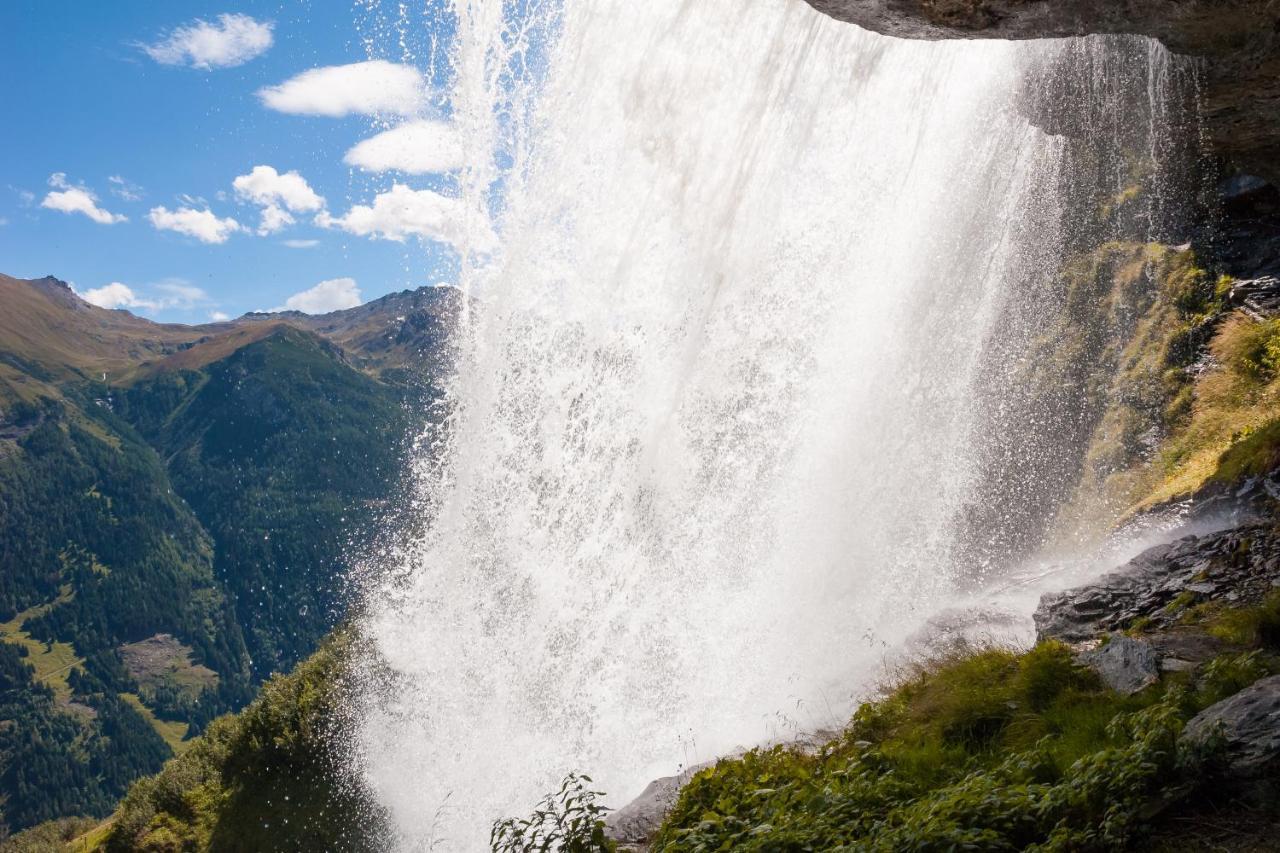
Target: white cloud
x=264 y=185
x=233 y=40
x=376 y=87
x=125 y=189
x=273 y=219
x=219 y=316
x=331 y=295
x=69 y=199
x=416 y=147
x=180 y=294
x=301 y=244
x=204 y=225
x=400 y=213
x=3 y=221
x=277 y=194
x=116 y=295
x=173 y=293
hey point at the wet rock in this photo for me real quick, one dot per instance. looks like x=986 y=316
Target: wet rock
x=1126 y=665
x=1250 y=724
x=633 y=825
x=1237 y=566
x=1257 y=297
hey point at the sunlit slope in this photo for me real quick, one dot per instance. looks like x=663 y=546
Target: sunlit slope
x=178 y=506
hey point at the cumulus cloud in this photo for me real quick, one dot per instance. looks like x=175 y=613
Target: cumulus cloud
x=301 y=244
x=73 y=199
x=116 y=295
x=232 y=40
x=264 y=185
x=417 y=147
x=376 y=87
x=277 y=194
x=330 y=295
x=124 y=189
x=204 y=225
x=219 y=316
x=172 y=293
x=400 y=213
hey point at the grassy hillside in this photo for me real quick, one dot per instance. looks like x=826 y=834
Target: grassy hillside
x=175 y=531
x=287 y=454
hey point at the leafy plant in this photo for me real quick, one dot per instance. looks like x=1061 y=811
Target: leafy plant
x=568 y=821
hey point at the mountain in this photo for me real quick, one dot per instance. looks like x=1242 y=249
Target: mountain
x=179 y=508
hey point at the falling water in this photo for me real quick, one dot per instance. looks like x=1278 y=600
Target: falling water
x=723 y=385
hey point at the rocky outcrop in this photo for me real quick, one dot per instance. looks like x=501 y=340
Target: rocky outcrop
x=633 y=825
x=1125 y=665
x=1237 y=567
x=1248 y=723
x=1237 y=42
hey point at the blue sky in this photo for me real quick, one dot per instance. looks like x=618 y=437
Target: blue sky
x=128 y=124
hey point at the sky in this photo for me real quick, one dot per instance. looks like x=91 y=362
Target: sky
x=192 y=161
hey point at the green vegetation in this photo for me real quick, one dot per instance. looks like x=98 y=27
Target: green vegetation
x=286 y=454
x=983 y=750
x=992 y=749
x=1232 y=427
x=170 y=543
x=1254 y=627
x=1173 y=391
x=270 y=778
x=50 y=836
x=97 y=551
x=569 y=820
x=59 y=757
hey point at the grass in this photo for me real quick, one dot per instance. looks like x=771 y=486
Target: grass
x=53 y=662
x=173 y=732
x=985 y=748
x=1233 y=429
x=1252 y=627
x=91 y=840
x=60 y=835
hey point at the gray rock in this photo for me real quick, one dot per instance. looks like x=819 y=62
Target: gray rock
x=1176 y=665
x=1125 y=664
x=1250 y=723
x=1236 y=559
x=635 y=823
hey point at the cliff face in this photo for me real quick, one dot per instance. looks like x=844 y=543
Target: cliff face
x=1236 y=41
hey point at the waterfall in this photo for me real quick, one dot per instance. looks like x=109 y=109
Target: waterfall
x=741 y=288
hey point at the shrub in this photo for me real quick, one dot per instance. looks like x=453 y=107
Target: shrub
x=568 y=821
x=982 y=750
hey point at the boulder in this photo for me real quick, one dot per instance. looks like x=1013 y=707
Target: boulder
x=1249 y=721
x=1126 y=665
